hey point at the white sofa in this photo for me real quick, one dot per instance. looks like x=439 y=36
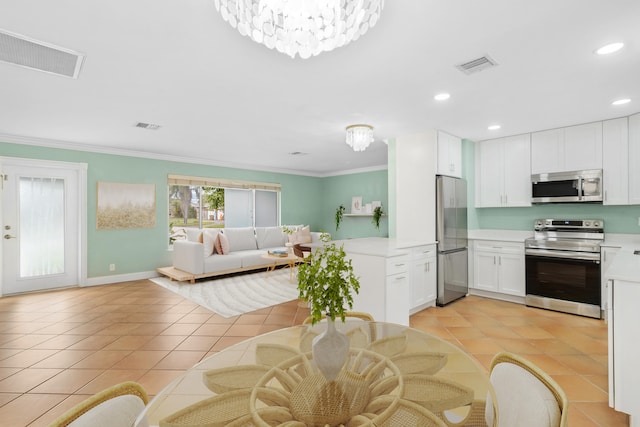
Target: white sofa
x=246 y=247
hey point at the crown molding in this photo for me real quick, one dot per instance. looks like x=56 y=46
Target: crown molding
x=65 y=145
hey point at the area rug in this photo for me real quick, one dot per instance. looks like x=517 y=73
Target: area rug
x=234 y=295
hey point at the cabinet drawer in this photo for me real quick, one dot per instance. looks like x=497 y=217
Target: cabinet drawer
x=423 y=251
x=397 y=265
x=498 y=246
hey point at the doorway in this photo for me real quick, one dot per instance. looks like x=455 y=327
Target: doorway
x=43 y=225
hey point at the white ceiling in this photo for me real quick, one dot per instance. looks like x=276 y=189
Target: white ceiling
x=223 y=99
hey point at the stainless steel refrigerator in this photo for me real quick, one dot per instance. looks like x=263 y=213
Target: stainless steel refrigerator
x=451 y=234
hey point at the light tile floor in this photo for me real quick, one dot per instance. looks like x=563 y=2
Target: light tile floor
x=57 y=348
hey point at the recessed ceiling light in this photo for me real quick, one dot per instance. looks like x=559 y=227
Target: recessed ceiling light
x=442 y=97
x=621 y=101
x=494 y=127
x=610 y=48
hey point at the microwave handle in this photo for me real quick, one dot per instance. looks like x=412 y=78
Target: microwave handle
x=580 y=189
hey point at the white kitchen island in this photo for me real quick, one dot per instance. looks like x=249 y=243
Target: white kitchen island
x=623 y=314
x=388 y=279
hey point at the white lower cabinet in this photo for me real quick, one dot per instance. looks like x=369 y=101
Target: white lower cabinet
x=397 y=303
x=607 y=255
x=499 y=267
x=624 y=349
x=384 y=286
x=423 y=278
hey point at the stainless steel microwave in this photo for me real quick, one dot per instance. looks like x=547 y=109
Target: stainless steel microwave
x=567 y=187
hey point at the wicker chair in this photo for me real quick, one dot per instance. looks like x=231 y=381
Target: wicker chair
x=525 y=395
x=117 y=406
x=301 y=251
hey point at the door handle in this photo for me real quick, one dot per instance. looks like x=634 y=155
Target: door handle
x=7 y=236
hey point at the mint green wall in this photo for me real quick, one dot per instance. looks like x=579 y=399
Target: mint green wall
x=141 y=250
x=617 y=219
x=340 y=189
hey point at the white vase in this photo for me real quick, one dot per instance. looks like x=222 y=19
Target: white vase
x=330 y=350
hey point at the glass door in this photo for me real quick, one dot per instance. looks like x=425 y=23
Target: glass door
x=41 y=228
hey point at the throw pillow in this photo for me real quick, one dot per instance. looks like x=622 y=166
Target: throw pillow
x=302 y=235
x=209 y=240
x=222 y=244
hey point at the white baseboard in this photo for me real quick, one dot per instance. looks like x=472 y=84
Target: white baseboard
x=117 y=278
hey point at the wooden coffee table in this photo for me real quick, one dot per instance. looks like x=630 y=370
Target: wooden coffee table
x=291 y=260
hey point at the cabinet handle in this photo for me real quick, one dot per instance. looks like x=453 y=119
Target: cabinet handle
x=506 y=199
x=494 y=260
x=399 y=265
x=400 y=278
x=499 y=260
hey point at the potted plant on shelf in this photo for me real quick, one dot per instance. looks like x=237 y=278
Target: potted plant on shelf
x=327 y=283
x=377 y=214
x=339 y=212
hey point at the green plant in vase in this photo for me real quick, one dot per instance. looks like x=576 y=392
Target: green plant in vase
x=377 y=214
x=339 y=213
x=327 y=282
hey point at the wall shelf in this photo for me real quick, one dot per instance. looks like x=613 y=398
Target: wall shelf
x=361 y=214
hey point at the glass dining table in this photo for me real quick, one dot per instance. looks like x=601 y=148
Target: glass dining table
x=393 y=375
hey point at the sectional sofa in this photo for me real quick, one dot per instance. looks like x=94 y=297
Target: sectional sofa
x=213 y=252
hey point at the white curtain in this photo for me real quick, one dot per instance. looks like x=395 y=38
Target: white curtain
x=41 y=226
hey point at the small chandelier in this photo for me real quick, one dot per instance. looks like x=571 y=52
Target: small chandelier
x=302 y=27
x=359 y=136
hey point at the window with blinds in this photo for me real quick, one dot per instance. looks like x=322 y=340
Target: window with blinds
x=198 y=202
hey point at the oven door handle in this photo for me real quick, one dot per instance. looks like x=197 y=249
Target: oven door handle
x=585 y=256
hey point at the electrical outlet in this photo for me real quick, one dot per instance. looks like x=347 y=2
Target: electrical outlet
x=639 y=221
x=112 y=267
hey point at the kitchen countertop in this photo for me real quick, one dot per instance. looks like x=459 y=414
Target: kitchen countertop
x=614 y=240
x=501 y=235
x=380 y=246
x=625 y=266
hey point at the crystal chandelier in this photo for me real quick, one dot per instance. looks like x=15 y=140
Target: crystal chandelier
x=359 y=136
x=302 y=27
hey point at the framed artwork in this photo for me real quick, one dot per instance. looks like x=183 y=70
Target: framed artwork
x=356 y=204
x=122 y=206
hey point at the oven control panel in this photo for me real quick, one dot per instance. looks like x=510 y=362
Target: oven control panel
x=567 y=224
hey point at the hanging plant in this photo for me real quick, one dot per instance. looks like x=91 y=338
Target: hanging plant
x=339 y=212
x=377 y=214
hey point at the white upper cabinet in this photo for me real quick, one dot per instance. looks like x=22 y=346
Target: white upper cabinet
x=634 y=159
x=449 y=155
x=546 y=151
x=503 y=174
x=615 y=161
x=567 y=149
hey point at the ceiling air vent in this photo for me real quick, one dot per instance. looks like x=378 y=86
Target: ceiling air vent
x=477 y=64
x=149 y=126
x=20 y=50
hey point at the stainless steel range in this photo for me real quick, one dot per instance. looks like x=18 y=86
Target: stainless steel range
x=563 y=266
